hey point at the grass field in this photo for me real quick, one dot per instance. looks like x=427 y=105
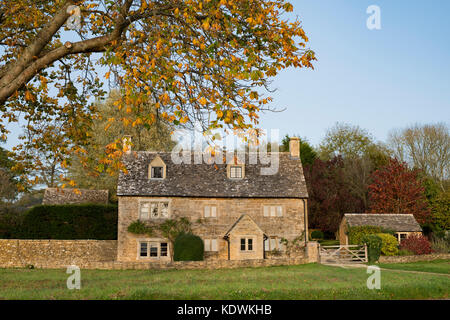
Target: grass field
x=311 y=281
x=436 y=266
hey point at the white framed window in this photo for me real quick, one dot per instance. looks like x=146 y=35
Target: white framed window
x=210 y=211
x=273 y=211
x=153 y=210
x=153 y=249
x=273 y=243
x=246 y=244
x=236 y=172
x=210 y=244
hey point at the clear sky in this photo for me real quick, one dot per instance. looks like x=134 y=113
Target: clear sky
x=377 y=79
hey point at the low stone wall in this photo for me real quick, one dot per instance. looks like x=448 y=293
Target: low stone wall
x=207 y=264
x=55 y=253
x=423 y=257
x=101 y=254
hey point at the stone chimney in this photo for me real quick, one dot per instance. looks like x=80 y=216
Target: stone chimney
x=294 y=147
x=126 y=144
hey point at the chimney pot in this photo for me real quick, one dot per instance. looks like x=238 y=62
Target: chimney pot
x=294 y=147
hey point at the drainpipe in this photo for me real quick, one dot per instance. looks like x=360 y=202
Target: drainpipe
x=228 y=240
x=305 y=222
x=264 y=247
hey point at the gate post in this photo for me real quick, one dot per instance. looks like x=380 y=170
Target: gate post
x=365 y=253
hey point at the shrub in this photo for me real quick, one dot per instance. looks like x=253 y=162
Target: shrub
x=68 y=222
x=317 y=234
x=138 y=227
x=416 y=244
x=389 y=246
x=355 y=234
x=404 y=252
x=188 y=247
x=441 y=245
x=374 y=244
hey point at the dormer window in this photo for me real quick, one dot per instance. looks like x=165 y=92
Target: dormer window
x=236 y=172
x=157 y=169
x=157 y=172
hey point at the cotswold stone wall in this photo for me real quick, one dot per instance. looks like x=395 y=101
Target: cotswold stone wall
x=55 y=253
x=423 y=257
x=70 y=196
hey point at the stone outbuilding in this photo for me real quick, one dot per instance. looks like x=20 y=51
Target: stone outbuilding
x=403 y=224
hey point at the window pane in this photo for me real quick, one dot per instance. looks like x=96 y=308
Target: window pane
x=154 y=210
x=272 y=211
x=143 y=249
x=213 y=211
x=249 y=244
x=279 y=211
x=165 y=209
x=236 y=172
x=273 y=243
x=243 y=244
x=157 y=172
x=213 y=245
x=143 y=214
x=266 y=245
x=207 y=243
x=266 y=211
x=153 y=249
x=207 y=213
x=163 y=249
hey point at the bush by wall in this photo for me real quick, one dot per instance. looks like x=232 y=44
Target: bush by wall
x=356 y=234
x=374 y=244
x=416 y=244
x=69 y=222
x=389 y=244
x=317 y=234
x=188 y=247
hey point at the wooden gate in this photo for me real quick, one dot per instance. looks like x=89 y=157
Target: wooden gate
x=343 y=254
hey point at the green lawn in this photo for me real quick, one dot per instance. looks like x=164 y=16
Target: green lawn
x=437 y=266
x=311 y=281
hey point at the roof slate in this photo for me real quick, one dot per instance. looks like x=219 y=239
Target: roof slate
x=210 y=180
x=397 y=222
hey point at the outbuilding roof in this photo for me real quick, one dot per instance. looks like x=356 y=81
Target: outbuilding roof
x=393 y=221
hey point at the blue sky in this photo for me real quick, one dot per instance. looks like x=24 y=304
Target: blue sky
x=377 y=79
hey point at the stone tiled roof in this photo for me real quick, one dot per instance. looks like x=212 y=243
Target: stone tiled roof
x=70 y=196
x=396 y=222
x=210 y=180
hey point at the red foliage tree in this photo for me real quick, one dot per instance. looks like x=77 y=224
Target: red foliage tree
x=398 y=189
x=329 y=195
x=416 y=244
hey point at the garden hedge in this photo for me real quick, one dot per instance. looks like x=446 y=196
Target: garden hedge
x=69 y=222
x=374 y=244
x=188 y=247
x=389 y=246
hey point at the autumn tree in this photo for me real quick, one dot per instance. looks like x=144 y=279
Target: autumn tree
x=8 y=178
x=426 y=147
x=398 y=189
x=209 y=61
x=85 y=169
x=329 y=194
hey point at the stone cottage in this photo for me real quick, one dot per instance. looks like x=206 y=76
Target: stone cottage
x=238 y=212
x=403 y=224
